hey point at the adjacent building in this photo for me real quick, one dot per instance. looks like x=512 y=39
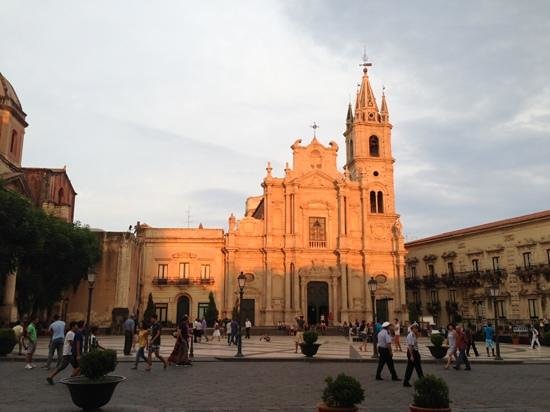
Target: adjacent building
x=449 y=275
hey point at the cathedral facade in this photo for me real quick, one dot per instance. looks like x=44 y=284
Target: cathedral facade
x=308 y=244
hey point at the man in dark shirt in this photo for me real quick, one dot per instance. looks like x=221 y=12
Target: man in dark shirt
x=461 y=345
x=154 y=343
x=234 y=331
x=78 y=343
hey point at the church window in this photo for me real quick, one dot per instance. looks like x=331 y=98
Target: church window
x=380 y=202
x=374 y=146
x=317 y=232
x=13 y=141
x=60 y=196
x=163 y=271
x=205 y=271
x=373 y=202
x=184 y=270
x=351 y=148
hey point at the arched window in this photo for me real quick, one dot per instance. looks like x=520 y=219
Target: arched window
x=374 y=147
x=380 y=202
x=373 y=202
x=60 y=196
x=351 y=148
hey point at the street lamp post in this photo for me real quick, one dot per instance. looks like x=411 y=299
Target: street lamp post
x=91 y=284
x=241 y=280
x=494 y=290
x=373 y=285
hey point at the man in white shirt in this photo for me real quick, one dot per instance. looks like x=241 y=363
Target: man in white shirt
x=57 y=337
x=534 y=337
x=68 y=354
x=413 y=355
x=385 y=355
x=247 y=326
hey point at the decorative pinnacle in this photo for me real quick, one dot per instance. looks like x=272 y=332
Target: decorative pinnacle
x=314 y=126
x=365 y=63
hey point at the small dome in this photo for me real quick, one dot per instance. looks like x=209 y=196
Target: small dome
x=8 y=96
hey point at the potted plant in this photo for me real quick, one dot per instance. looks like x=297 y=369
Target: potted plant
x=431 y=394
x=7 y=341
x=437 y=349
x=309 y=347
x=341 y=394
x=95 y=388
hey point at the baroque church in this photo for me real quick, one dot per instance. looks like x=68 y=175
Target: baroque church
x=47 y=188
x=307 y=245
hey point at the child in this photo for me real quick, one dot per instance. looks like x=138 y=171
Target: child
x=143 y=337
x=94 y=343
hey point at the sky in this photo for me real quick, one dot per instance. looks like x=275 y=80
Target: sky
x=166 y=112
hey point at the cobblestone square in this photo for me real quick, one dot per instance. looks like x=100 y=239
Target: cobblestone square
x=273 y=378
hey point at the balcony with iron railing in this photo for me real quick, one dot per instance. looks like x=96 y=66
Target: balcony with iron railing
x=318 y=244
x=469 y=279
x=532 y=272
x=182 y=281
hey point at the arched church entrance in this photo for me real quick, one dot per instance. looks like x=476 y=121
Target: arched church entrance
x=183 y=308
x=317 y=301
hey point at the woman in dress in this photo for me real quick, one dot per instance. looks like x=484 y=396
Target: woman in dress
x=451 y=341
x=179 y=354
x=216 y=333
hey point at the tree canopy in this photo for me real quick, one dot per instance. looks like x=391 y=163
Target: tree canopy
x=49 y=254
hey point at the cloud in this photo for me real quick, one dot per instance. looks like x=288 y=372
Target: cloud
x=157 y=108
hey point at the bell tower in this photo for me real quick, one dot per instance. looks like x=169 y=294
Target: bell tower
x=12 y=125
x=368 y=146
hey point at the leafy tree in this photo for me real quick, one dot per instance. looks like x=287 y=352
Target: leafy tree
x=150 y=310
x=49 y=254
x=211 y=313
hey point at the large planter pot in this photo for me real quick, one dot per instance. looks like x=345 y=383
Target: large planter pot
x=89 y=394
x=321 y=407
x=515 y=340
x=438 y=352
x=413 y=408
x=309 y=349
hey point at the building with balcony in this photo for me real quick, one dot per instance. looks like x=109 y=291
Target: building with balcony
x=448 y=275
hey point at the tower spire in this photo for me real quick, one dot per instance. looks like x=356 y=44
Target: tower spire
x=384 y=113
x=349 y=116
x=366 y=108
